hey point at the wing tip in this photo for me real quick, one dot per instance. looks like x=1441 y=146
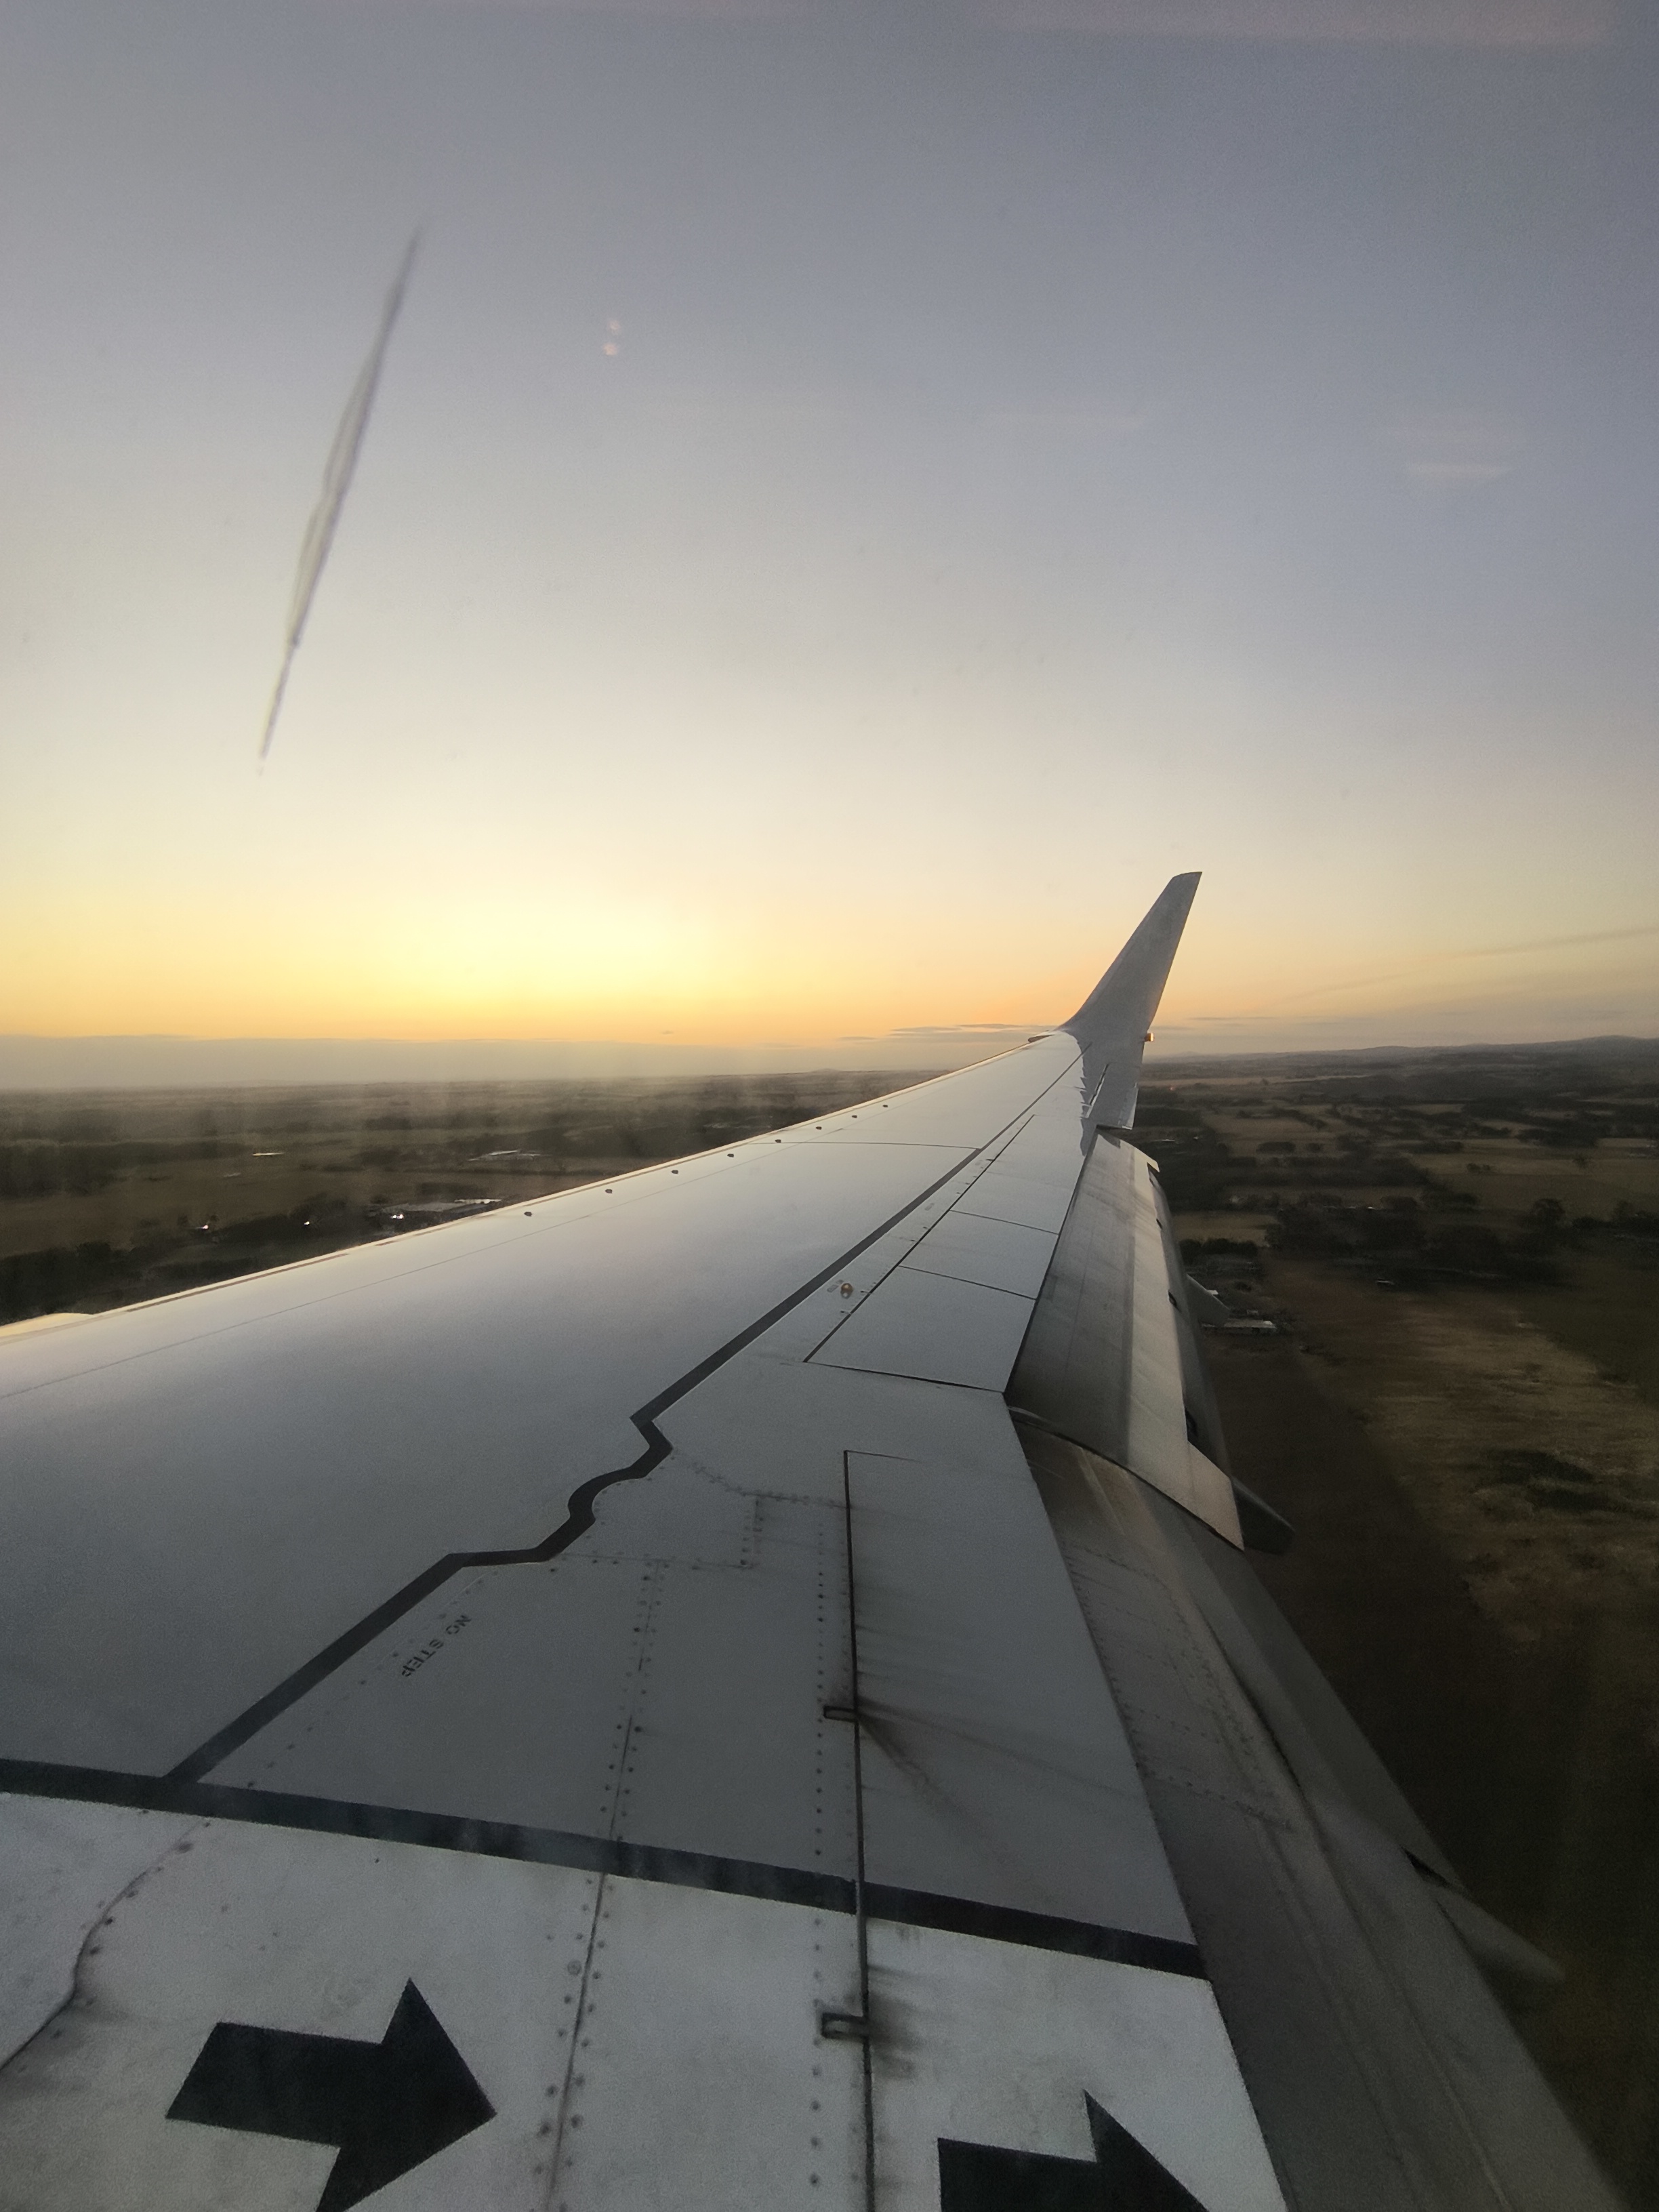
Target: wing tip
x=1113 y=1023
x=1147 y=954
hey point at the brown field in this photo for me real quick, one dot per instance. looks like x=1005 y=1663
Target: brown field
x=1459 y=1413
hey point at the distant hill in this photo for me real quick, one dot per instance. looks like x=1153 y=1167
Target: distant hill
x=1449 y=1072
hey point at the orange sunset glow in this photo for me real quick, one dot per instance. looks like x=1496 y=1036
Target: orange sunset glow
x=805 y=580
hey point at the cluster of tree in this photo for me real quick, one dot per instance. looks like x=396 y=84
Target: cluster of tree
x=1195 y=1165
x=46 y=1170
x=1413 y=1245
x=97 y=1273
x=1559 y=1485
x=1200 y=1170
x=46 y=1282
x=313 y=1221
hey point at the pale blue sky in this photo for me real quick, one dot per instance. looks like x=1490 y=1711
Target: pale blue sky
x=1035 y=461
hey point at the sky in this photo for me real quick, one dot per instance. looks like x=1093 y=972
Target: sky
x=856 y=499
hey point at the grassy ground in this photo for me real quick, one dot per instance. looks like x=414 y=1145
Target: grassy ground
x=1460 y=1416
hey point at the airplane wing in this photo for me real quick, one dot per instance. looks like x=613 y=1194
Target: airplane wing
x=731 y=1688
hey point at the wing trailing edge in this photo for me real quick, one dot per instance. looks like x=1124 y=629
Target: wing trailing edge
x=1111 y=1025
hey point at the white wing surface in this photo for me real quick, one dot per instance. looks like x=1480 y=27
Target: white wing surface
x=734 y=1688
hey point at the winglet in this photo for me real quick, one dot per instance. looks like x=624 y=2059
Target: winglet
x=1112 y=1024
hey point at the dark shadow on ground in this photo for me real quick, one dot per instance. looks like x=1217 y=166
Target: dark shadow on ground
x=1533 y=1765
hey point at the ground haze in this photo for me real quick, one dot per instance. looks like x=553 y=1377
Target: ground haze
x=110 y=1197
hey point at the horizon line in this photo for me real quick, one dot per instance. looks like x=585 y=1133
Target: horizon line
x=732 y=1061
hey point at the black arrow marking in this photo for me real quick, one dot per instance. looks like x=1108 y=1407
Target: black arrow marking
x=387 y=2105
x=1122 y=2176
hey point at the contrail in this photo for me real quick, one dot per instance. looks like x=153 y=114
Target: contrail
x=336 y=482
